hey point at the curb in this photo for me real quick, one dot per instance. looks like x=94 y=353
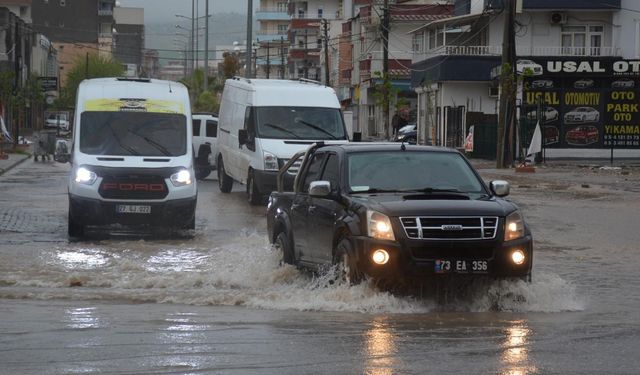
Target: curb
x=20 y=160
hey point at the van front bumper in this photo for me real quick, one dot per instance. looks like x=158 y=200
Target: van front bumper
x=177 y=213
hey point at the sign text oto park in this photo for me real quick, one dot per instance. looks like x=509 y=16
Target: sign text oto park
x=586 y=102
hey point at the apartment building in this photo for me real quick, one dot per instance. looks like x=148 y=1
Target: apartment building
x=272 y=39
x=129 y=38
x=577 y=63
x=75 y=28
x=358 y=62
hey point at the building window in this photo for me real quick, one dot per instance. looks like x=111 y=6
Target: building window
x=582 y=40
x=281 y=7
x=282 y=29
x=300 y=13
x=417 y=42
x=320 y=12
x=432 y=39
x=319 y=43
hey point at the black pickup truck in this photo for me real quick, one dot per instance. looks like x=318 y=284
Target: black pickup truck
x=393 y=211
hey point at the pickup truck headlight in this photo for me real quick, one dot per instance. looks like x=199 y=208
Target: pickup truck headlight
x=270 y=161
x=513 y=226
x=182 y=178
x=379 y=226
x=85 y=176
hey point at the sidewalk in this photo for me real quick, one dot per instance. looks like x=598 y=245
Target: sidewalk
x=12 y=161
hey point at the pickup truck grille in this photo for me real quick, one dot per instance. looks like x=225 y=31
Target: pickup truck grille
x=295 y=168
x=450 y=228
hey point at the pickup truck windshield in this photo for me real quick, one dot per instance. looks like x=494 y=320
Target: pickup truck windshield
x=299 y=123
x=133 y=133
x=411 y=171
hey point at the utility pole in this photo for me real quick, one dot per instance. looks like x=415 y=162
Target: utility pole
x=86 y=66
x=249 y=38
x=326 y=53
x=197 y=51
x=206 y=45
x=193 y=39
x=282 y=66
x=306 y=54
x=385 y=67
x=507 y=84
x=268 y=62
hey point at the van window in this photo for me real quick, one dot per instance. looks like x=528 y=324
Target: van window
x=133 y=133
x=196 y=127
x=212 y=128
x=250 y=127
x=300 y=123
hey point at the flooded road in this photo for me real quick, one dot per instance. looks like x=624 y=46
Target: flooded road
x=218 y=302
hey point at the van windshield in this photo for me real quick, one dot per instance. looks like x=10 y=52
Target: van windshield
x=299 y=123
x=133 y=133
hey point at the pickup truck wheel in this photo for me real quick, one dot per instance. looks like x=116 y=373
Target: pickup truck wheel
x=225 y=183
x=253 y=195
x=348 y=268
x=283 y=245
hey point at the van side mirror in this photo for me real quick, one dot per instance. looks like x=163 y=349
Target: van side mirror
x=243 y=137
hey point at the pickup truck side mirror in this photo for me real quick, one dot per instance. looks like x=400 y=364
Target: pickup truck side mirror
x=500 y=188
x=320 y=189
x=243 y=137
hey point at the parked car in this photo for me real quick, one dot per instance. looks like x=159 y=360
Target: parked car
x=57 y=119
x=583 y=83
x=549 y=114
x=551 y=134
x=408 y=134
x=205 y=134
x=582 y=135
x=623 y=84
x=542 y=84
x=582 y=114
x=528 y=67
x=397 y=213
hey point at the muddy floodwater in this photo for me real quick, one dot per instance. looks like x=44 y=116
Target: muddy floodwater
x=217 y=301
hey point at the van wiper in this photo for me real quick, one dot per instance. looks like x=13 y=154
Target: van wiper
x=131 y=150
x=153 y=143
x=316 y=127
x=278 y=127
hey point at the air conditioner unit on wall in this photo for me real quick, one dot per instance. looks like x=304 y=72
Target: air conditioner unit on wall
x=558 y=18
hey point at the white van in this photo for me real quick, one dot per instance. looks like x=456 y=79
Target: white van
x=205 y=133
x=264 y=122
x=132 y=155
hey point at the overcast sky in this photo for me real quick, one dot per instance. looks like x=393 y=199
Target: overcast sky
x=165 y=10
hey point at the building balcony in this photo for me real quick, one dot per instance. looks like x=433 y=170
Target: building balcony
x=272 y=14
x=520 y=51
x=267 y=36
x=105 y=12
x=305 y=24
x=273 y=61
x=304 y=55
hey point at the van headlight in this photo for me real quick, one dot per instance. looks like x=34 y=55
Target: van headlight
x=379 y=226
x=85 y=176
x=513 y=226
x=182 y=178
x=270 y=161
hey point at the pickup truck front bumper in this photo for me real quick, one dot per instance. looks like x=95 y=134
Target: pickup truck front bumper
x=413 y=259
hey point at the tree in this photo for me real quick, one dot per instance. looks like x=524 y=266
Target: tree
x=230 y=65
x=98 y=67
x=385 y=93
x=207 y=102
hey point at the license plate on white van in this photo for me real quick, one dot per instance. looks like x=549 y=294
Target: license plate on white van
x=132 y=209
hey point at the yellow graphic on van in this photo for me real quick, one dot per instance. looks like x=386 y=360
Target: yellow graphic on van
x=133 y=105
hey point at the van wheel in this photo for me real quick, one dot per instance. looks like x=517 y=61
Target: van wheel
x=348 y=268
x=253 y=194
x=74 y=228
x=225 y=183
